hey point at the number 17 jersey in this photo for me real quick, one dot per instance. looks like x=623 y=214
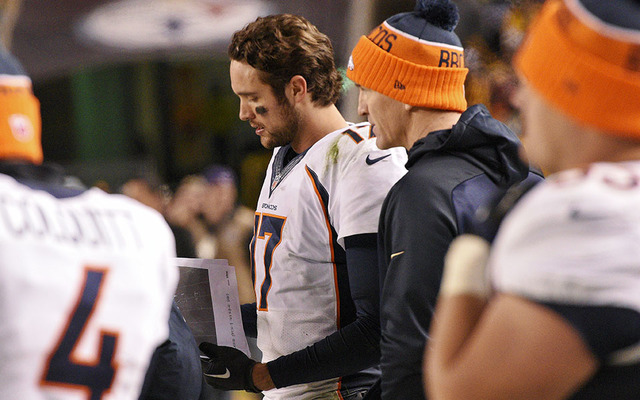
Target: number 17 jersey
x=306 y=208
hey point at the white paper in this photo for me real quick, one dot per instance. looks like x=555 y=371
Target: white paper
x=226 y=303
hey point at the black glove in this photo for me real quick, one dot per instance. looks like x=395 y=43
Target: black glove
x=227 y=368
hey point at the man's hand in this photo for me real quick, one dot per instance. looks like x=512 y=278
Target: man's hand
x=227 y=368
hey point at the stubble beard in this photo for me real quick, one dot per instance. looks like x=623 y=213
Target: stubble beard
x=286 y=133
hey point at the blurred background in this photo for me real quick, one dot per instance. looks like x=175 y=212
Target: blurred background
x=140 y=88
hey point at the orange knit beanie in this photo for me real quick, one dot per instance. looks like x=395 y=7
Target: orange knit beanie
x=583 y=57
x=414 y=57
x=20 y=123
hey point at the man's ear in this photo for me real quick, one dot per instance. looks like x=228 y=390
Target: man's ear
x=297 y=88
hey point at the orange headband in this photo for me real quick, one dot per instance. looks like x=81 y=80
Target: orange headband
x=410 y=70
x=20 y=124
x=584 y=67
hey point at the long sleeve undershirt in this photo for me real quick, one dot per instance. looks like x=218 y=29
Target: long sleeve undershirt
x=352 y=348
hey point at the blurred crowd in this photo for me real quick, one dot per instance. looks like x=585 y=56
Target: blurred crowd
x=488 y=53
x=206 y=218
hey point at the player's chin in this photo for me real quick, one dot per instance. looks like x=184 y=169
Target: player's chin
x=382 y=142
x=271 y=139
x=267 y=142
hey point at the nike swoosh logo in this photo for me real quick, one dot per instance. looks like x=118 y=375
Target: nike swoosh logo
x=219 y=376
x=371 y=161
x=396 y=254
x=578 y=215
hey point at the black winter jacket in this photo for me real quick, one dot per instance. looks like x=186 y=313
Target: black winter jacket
x=451 y=173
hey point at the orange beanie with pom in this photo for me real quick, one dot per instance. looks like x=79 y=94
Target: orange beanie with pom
x=415 y=58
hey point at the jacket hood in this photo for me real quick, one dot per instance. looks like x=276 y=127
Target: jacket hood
x=481 y=140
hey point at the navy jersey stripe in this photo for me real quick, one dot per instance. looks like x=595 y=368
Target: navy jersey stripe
x=346 y=308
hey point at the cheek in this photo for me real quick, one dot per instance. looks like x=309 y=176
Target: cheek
x=538 y=143
x=528 y=115
x=538 y=126
x=388 y=117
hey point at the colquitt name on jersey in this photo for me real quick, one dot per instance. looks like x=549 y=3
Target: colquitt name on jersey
x=24 y=219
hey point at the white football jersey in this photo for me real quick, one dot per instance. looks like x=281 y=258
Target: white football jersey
x=86 y=284
x=305 y=210
x=574 y=239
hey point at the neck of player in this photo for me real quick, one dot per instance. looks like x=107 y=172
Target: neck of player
x=315 y=123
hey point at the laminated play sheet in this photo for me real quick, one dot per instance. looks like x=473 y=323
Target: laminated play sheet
x=207 y=296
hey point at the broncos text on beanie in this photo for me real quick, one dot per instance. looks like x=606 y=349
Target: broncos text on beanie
x=414 y=57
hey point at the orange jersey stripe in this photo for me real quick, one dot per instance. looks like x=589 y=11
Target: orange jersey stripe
x=331 y=241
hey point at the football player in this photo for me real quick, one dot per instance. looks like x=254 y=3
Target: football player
x=87 y=278
x=314 y=249
x=552 y=309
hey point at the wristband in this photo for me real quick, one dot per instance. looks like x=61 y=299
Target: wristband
x=465 y=267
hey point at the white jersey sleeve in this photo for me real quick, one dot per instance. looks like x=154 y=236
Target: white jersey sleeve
x=575 y=239
x=363 y=176
x=86 y=284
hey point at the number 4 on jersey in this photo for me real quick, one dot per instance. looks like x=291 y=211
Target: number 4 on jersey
x=63 y=369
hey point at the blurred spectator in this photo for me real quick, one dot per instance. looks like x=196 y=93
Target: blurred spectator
x=157 y=197
x=207 y=206
x=491 y=79
x=183 y=209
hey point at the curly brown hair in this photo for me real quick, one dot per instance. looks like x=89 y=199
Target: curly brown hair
x=284 y=45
